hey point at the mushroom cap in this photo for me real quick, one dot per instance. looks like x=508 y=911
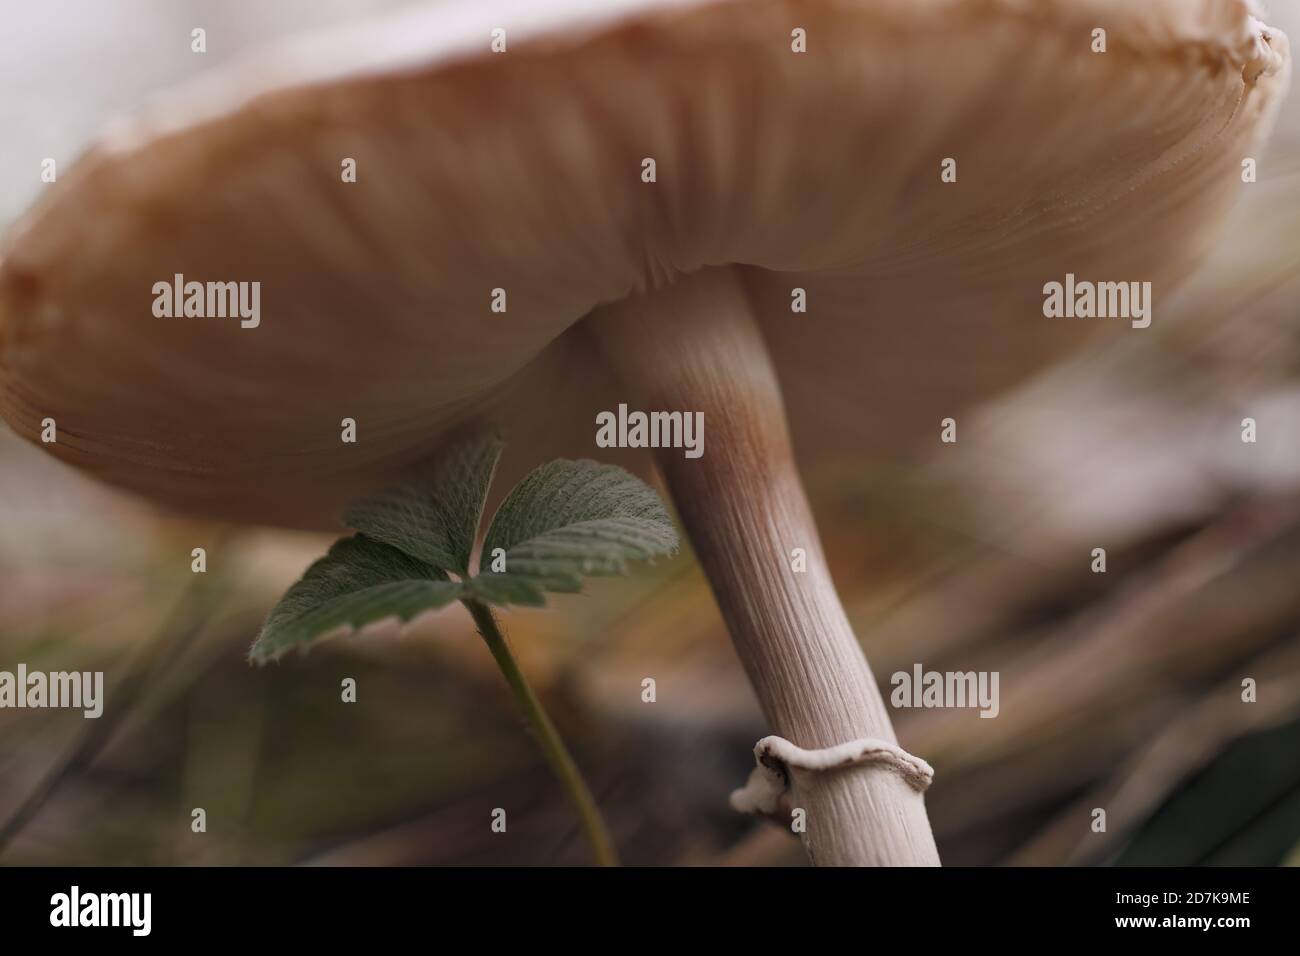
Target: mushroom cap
x=522 y=171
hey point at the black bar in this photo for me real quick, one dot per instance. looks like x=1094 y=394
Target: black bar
x=214 y=906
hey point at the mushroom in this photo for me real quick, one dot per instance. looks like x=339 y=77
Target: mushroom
x=561 y=208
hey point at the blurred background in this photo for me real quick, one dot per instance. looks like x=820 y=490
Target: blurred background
x=1120 y=690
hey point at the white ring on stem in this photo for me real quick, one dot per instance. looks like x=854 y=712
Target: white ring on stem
x=776 y=757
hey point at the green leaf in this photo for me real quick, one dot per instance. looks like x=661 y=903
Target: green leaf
x=506 y=589
x=573 y=518
x=565 y=520
x=358 y=582
x=434 y=518
x=1243 y=809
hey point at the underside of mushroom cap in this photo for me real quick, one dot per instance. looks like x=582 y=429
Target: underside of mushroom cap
x=522 y=171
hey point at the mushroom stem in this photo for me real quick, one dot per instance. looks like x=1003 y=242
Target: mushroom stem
x=695 y=347
x=593 y=824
